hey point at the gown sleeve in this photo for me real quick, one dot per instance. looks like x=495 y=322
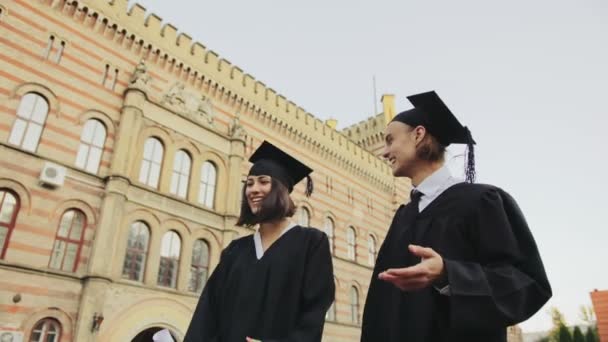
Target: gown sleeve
x=317 y=296
x=509 y=283
x=204 y=325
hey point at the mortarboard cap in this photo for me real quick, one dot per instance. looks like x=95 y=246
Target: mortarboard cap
x=430 y=111
x=272 y=161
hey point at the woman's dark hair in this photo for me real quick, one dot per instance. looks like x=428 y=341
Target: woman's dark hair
x=276 y=205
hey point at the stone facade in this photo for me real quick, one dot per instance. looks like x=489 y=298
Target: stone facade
x=123 y=147
x=145 y=136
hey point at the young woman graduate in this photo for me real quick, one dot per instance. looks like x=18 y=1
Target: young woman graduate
x=277 y=284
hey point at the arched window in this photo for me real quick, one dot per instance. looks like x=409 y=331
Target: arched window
x=92 y=140
x=206 y=195
x=137 y=251
x=181 y=174
x=68 y=242
x=351 y=241
x=371 y=249
x=149 y=173
x=303 y=217
x=46 y=330
x=9 y=207
x=354 y=305
x=31 y=116
x=199 y=267
x=331 y=314
x=329 y=230
x=169 y=259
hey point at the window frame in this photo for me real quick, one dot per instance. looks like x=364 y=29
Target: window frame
x=351 y=246
x=195 y=269
x=11 y=225
x=331 y=227
x=208 y=185
x=24 y=122
x=44 y=330
x=372 y=249
x=331 y=314
x=181 y=174
x=151 y=162
x=354 y=305
x=130 y=252
x=91 y=145
x=68 y=240
x=303 y=212
x=161 y=277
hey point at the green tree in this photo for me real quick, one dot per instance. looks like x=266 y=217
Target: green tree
x=591 y=335
x=577 y=335
x=563 y=334
x=587 y=314
x=557 y=317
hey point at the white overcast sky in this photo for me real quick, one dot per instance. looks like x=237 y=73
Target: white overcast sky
x=530 y=78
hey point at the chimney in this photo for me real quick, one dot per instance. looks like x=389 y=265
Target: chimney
x=388 y=107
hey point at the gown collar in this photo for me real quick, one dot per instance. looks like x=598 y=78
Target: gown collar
x=257 y=240
x=435 y=184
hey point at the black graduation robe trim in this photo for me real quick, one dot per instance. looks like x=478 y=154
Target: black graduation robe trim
x=492 y=264
x=282 y=297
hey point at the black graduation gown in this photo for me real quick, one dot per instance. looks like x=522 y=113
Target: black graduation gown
x=493 y=267
x=284 y=296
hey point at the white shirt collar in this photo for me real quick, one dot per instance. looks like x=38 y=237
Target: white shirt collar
x=435 y=184
x=257 y=240
x=432 y=184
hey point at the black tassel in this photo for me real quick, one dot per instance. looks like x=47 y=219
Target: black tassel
x=470 y=173
x=309 y=186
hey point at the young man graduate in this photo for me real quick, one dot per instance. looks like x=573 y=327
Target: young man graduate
x=459 y=262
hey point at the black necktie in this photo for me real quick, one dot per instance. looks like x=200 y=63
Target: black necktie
x=415 y=198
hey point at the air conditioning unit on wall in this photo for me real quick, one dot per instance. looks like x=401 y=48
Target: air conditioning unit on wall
x=52 y=175
x=12 y=336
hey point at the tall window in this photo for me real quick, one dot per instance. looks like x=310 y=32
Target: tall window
x=329 y=230
x=303 y=217
x=9 y=207
x=46 y=330
x=151 y=164
x=351 y=241
x=206 y=194
x=68 y=242
x=199 y=268
x=331 y=313
x=31 y=117
x=91 y=146
x=169 y=259
x=354 y=305
x=371 y=249
x=137 y=251
x=181 y=174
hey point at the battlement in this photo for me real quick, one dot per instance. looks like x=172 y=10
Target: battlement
x=162 y=43
x=367 y=132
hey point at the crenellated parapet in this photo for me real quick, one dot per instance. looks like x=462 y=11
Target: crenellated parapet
x=145 y=35
x=367 y=133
